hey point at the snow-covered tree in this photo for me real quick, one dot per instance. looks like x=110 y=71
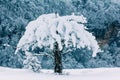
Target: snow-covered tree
x=31 y=62
x=49 y=30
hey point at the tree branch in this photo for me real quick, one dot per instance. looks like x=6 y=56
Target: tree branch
x=42 y=54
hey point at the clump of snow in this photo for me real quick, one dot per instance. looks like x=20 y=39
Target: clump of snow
x=48 y=28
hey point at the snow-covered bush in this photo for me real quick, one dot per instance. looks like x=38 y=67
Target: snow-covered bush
x=31 y=62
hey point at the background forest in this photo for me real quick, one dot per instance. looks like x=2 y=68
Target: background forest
x=103 y=18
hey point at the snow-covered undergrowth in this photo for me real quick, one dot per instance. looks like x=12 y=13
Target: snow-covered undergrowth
x=73 y=74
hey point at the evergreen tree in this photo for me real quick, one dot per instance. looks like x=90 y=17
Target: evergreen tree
x=31 y=62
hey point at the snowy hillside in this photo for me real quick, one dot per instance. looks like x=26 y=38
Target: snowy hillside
x=75 y=74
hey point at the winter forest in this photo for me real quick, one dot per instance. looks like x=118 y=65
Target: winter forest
x=59 y=35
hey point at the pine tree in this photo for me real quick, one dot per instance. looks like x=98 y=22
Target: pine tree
x=31 y=62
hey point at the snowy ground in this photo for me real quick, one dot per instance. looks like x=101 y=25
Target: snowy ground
x=71 y=74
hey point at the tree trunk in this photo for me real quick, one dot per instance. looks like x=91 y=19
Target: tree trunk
x=57 y=59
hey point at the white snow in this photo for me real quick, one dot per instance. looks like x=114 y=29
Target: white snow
x=49 y=28
x=70 y=74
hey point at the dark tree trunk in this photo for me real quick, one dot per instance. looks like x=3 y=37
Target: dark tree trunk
x=57 y=57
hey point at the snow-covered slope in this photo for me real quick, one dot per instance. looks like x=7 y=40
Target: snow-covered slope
x=74 y=74
x=49 y=28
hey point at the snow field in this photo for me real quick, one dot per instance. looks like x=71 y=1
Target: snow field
x=69 y=74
